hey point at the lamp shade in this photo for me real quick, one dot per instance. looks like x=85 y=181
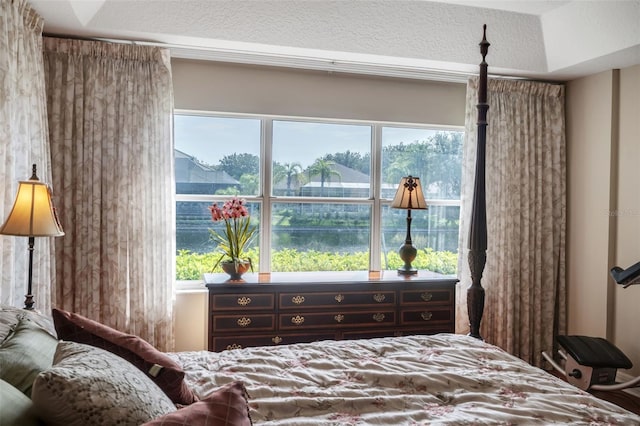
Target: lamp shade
x=409 y=195
x=32 y=214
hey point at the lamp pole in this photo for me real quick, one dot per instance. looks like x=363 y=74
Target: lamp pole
x=28 y=298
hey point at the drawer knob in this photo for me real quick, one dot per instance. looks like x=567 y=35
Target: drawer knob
x=244 y=321
x=298 y=300
x=339 y=318
x=244 y=301
x=277 y=340
x=426 y=296
x=339 y=298
x=379 y=317
x=297 y=320
x=234 y=346
x=379 y=297
x=426 y=315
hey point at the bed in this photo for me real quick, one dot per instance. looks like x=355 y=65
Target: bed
x=96 y=375
x=439 y=379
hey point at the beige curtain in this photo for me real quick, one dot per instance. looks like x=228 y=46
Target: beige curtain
x=110 y=126
x=23 y=142
x=524 y=277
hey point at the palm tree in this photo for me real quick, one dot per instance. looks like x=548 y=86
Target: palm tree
x=288 y=171
x=324 y=168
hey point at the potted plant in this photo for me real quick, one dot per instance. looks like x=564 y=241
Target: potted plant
x=236 y=234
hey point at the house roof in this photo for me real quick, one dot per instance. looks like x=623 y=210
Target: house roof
x=346 y=175
x=189 y=169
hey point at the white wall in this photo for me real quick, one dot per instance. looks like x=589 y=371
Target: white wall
x=627 y=237
x=603 y=152
x=589 y=144
x=221 y=87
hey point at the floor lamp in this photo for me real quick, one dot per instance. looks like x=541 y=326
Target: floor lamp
x=409 y=197
x=32 y=215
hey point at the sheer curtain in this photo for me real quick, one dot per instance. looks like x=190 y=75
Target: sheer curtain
x=110 y=126
x=23 y=142
x=524 y=277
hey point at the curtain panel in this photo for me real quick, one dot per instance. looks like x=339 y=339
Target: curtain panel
x=23 y=142
x=110 y=125
x=524 y=277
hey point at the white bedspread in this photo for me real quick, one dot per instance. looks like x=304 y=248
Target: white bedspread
x=413 y=380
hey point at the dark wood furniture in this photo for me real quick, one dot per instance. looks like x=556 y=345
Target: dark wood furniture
x=284 y=308
x=477 y=255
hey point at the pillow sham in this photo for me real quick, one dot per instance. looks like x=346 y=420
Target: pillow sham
x=27 y=351
x=90 y=386
x=159 y=367
x=17 y=409
x=227 y=406
x=10 y=315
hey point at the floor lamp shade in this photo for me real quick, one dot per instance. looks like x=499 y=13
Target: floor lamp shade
x=409 y=197
x=32 y=215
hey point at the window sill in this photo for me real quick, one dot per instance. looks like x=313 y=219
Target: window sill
x=192 y=286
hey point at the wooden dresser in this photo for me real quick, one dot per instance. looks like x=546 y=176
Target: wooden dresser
x=283 y=308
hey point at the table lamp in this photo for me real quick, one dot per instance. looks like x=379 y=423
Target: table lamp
x=409 y=197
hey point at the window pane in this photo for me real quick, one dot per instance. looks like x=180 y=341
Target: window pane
x=433 y=156
x=321 y=160
x=434 y=233
x=320 y=237
x=196 y=251
x=217 y=155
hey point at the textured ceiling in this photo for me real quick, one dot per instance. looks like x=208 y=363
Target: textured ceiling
x=554 y=40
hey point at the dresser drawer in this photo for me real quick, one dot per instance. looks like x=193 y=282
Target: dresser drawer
x=370 y=333
x=336 y=298
x=425 y=316
x=242 y=323
x=423 y=297
x=242 y=302
x=336 y=319
x=271 y=339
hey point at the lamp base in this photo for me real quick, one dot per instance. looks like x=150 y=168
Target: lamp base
x=408 y=254
x=28 y=302
x=409 y=271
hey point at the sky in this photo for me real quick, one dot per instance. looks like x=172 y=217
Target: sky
x=211 y=138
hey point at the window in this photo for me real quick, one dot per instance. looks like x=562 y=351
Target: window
x=318 y=191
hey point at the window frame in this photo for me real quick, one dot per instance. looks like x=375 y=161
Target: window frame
x=266 y=200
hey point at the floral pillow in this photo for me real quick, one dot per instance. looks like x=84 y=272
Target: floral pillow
x=90 y=386
x=164 y=371
x=226 y=406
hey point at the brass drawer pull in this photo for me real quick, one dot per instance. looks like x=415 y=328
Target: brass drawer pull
x=244 y=301
x=277 y=340
x=339 y=318
x=426 y=296
x=297 y=320
x=379 y=317
x=339 y=298
x=234 y=346
x=244 y=321
x=298 y=300
x=379 y=297
x=426 y=315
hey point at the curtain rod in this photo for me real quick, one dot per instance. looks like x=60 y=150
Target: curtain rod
x=206 y=53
